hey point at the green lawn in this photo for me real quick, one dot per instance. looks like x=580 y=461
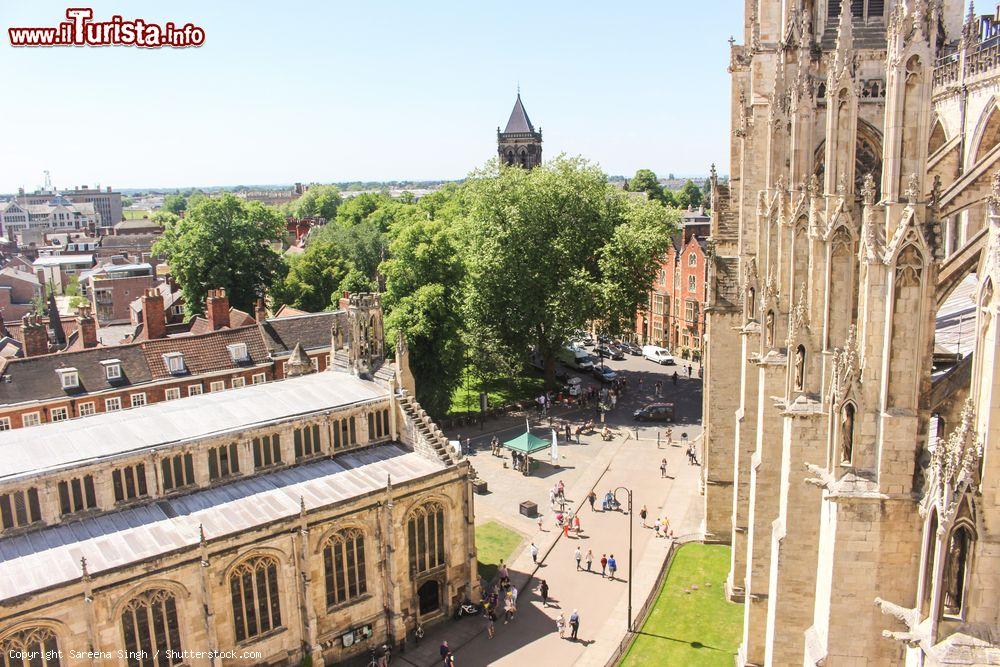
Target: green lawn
x=691 y=627
x=493 y=542
x=501 y=391
x=132 y=214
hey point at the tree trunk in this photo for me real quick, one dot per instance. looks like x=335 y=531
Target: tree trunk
x=550 y=371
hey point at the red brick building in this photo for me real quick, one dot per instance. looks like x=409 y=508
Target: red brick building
x=226 y=349
x=674 y=315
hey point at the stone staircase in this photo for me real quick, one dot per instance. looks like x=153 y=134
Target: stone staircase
x=427 y=437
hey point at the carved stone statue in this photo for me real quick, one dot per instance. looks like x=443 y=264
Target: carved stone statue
x=769 y=329
x=800 y=368
x=847 y=433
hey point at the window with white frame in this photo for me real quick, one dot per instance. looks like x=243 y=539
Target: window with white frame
x=691 y=282
x=174 y=361
x=138 y=399
x=238 y=352
x=112 y=404
x=194 y=389
x=86 y=409
x=112 y=368
x=171 y=394
x=692 y=260
x=31 y=419
x=239 y=382
x=60 y=414
x=327 y=360
x=217 y=385
x=315 y=363
x=68 y=378
x=258 y=378
x=4 y=423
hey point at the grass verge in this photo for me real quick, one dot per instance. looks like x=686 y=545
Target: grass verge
x=689 y=626
x=494 y=542
x=502 y=391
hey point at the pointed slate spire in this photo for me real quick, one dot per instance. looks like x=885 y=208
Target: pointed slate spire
x=518 y=121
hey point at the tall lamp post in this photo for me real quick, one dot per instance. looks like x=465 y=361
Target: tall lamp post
x=630 y=574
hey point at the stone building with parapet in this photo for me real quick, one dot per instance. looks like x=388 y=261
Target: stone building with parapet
x=306 y=519
x=852 y=262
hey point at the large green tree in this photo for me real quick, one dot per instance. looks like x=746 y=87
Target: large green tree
x=689 y=196
x=223 y=242
x=423 y=296
x=646 y=181
x=319 y=200
x=313 y=279
x=175 y=203
x=552 y=248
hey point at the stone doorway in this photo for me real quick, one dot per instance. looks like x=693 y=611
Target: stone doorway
x=429 y=597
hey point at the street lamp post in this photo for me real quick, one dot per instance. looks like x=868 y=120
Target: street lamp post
x=630 y=574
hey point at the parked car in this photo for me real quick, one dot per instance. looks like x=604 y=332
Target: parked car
x=658 y=354
x=632 y=349
x=587 y=340
x=604 y=374
x=608 y=351
x=655 y=412
x=575 y=357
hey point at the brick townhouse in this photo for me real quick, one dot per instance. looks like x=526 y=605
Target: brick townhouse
x=226 y=349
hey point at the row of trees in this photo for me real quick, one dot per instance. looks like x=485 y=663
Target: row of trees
x=689 y=196
x=476 y=274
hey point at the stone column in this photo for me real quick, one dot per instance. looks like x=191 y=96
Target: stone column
x=764 y=486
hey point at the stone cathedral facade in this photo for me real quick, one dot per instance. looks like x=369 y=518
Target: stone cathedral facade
x=850 y=460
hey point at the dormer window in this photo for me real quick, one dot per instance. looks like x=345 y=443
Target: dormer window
x=68 y=377
x=174 y=362
x=112 y=369
x=238 y=352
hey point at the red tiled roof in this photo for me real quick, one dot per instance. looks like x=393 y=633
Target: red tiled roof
x=205 y=353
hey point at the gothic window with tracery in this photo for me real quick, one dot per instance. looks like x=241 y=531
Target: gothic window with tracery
x=256 y=606
x=151 y=630
x=344 y=559
x=956 y=569
x=425 y=535
x=34 y=647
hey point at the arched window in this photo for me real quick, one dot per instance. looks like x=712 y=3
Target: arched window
x=425 y=534
x=510 y=158
x=956 y=569
x=32 y=646
x=344 y=558
x=254 y=588
x=151 y=630
x=847 y=415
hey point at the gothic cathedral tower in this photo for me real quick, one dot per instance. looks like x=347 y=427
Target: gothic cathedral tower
x=520 y=144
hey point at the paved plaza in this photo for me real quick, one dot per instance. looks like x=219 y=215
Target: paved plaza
x=632 y=460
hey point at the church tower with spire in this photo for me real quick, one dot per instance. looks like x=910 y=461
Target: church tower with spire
x=520 y=144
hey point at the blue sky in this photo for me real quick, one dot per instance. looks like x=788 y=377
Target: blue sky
x=335 y=91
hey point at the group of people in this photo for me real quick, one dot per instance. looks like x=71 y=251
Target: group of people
x=500 y=599
x=573 y=624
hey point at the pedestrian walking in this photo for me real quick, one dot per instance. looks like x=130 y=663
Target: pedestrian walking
x=578 y=556
x=574 y=624
x=508 y=608
x=540 y=529
x=663 y=473
x=604 y=564
x=444 y=649
x=504 y=574
x=692 y=457
x=642 y=515
x=689 y=370
x=591 y=498
x=670 y=436
x=566 y=528
x=468 y=445
x=449 y=660
x=552 y=497
x=590 y=559
x=418 y=633
x=561 y=626
x=491 y=619
x=544 y=590
x=534 y=553
x=656 y=527
x=576 y=524
x=674 y=378
x=562 y=490
x=569 y=433
x=612 y=567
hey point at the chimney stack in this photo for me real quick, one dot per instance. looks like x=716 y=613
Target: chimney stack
x=345 y=300
x=36 y=336
x=217 y=309
x=154 y=323
x=260 y=309
x=87 y=325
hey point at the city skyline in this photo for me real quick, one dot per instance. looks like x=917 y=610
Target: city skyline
x=386 y=93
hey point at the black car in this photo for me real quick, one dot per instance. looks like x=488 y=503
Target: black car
x=655 y=412
x=608 y=351
x=632 y=349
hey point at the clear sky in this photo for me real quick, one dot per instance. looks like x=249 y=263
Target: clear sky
x=336 y=91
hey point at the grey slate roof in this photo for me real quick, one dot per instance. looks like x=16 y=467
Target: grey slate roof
x=518 y=121
x=51 y=556
x=312 y=330
x=34 y=378
x=76 y=442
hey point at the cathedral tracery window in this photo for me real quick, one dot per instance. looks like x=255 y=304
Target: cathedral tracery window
x=344 y=560
x=425 y=536
x=34 y=647
x=151 y=630
x=253 y=585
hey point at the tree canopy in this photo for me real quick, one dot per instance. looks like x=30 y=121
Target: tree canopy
x=223 y=242
x=689 y=196
x=318 y=201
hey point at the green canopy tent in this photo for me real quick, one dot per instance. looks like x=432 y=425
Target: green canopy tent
x=527 y=444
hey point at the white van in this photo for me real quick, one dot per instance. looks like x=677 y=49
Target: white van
x=658 y=354
x=575 y=357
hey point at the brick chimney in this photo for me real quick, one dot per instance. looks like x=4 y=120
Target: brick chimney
x=87 y=326
x=217 y=309
x=36 y=336
x=345 y=300
x=260 y=309
x=154 y=323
